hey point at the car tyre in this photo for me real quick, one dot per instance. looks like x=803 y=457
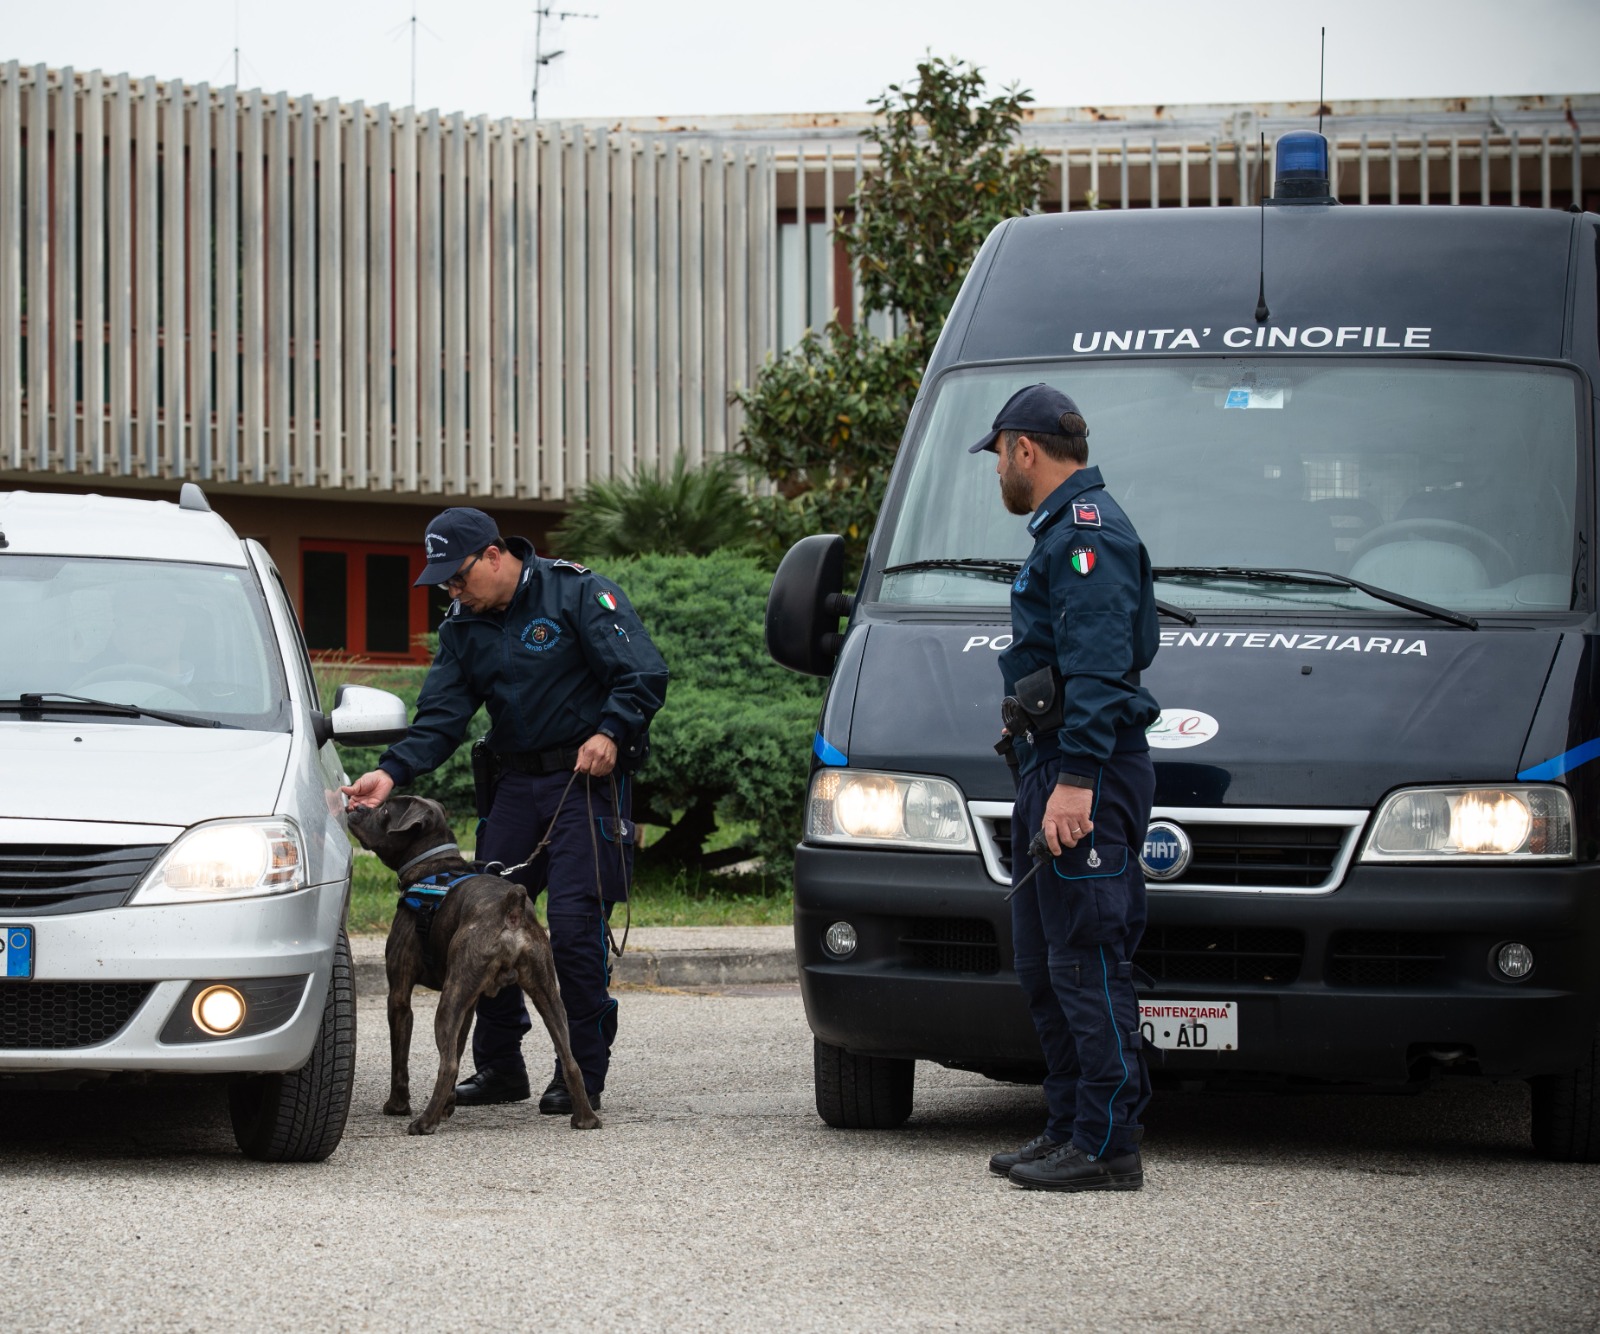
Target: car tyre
x=861 y=1092
x=1566 y=1112
x=299 y=1116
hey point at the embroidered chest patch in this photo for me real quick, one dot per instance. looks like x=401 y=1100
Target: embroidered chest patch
x=1082 y=559
x=540 y=634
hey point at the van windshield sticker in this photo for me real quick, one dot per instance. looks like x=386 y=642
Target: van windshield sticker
x=1334 y=643
x=1336 y=338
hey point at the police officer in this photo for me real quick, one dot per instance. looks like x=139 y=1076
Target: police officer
x=571 y=681
x=1083 y=619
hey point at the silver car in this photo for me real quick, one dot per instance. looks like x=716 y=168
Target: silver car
x=174 y=869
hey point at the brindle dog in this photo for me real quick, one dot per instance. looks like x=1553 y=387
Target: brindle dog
x=483 y=937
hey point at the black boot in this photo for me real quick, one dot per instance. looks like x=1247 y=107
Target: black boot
x=491 y=1086
x=1002 y=1163
x=1068 y=1167
x=556 y=1101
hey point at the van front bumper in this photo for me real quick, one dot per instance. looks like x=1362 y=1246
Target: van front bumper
x=1392 y=972
x=143 y=962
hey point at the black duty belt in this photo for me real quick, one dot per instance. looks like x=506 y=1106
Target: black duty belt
x=537 y=762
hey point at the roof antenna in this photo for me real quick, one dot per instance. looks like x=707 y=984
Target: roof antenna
x=1262 y=313
x=1322 y=80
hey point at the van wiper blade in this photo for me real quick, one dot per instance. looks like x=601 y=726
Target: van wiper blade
x=993 y=566
x=1327 y=578
x=1177 y=613
x=45 y=701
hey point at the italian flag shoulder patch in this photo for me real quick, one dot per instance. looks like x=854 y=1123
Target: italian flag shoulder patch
x=1083 y=559
x=606 y=601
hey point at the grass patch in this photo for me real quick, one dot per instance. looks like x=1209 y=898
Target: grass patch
x=662 y=896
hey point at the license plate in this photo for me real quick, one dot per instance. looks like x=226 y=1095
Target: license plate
x=16 y=951
x=1190 y=1025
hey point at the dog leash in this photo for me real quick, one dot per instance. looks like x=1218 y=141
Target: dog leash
x=499 y=869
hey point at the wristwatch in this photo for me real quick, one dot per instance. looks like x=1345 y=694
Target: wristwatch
x=1074 y=780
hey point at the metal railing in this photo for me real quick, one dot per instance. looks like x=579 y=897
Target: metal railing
x=264 y=291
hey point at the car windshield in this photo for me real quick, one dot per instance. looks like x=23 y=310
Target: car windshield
x=190 y=640
x=1449 y=482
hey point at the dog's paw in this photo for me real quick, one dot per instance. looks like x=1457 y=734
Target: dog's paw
x=449 y=1108
x=581 y=1122
x=421 y=1127
x=397 y=1107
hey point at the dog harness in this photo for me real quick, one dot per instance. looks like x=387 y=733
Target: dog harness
x=426 y=896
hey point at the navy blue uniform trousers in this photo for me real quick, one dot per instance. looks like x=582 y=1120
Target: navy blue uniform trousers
x=524 y=806
x=1074 y=928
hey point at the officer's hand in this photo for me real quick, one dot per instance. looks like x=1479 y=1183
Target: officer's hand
x=597 y=756
x=1066 y=818
x=370 y=789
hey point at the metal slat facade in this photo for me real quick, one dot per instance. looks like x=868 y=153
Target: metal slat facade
x=269 y=292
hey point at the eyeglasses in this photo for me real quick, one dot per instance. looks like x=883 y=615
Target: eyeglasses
x=457 y=581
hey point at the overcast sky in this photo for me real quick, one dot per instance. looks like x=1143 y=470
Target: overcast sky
x=686 y=57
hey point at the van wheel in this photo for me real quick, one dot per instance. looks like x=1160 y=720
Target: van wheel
x=861 y=1092
x=299 y=1117
x=1566 y=1112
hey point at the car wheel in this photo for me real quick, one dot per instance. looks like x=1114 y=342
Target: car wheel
x=299 y=1117
x=861 y=1092
x=1566 y=1112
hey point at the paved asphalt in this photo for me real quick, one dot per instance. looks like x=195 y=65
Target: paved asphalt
x=715 y=1199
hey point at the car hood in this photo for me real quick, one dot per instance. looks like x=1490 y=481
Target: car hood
x=136 y=773
x=1244 y=722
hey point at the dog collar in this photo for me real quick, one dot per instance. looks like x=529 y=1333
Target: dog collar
x=427 y=856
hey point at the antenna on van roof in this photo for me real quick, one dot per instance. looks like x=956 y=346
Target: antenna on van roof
x=1322 y=79
x=1262 y=313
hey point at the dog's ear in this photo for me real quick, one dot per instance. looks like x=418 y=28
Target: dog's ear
x=417 y=813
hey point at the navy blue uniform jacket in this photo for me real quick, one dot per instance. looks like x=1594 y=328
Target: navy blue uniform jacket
x=567 y=658
x=1085 y=605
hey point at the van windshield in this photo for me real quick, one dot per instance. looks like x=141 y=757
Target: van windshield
x=1450 y=482
x=190 y=640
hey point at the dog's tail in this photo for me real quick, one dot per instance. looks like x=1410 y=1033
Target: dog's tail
x=517 y=907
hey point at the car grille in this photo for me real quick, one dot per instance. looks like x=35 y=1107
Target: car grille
x=1253 y=856
x=1384 y=959
x=1241 y=955
x=40 y=879
x=950 y=945
x=55 y=1016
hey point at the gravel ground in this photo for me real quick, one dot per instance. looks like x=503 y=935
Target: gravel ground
x=715 y=1199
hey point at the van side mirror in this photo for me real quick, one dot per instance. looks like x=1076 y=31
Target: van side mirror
x=805 y=604
x=364 y=716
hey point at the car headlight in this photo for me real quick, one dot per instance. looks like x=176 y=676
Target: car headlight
x=892 y=810
x=226 y=859
x=1492 y=823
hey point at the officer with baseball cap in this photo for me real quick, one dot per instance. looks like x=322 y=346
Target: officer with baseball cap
x=1083 y=618
x=571 y=682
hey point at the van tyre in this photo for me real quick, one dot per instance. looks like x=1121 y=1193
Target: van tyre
x=1566 y=1112
x=299 y=1116
x=861 y=1092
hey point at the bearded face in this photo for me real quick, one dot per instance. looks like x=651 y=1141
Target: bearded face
x=1016 y=491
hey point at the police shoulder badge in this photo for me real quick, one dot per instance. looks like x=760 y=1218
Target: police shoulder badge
x=569 y=565
x=1085 y=516
x=606 y=601
x=1082 y=559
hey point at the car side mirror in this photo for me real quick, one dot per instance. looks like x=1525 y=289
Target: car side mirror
x=364 y=716
x=805 y=604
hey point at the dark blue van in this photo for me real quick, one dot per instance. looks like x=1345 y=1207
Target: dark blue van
x=1359 y=444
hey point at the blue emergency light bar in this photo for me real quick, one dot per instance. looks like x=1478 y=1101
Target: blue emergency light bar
x=1302 y=168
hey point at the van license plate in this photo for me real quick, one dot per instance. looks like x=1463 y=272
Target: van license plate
x=16 y=951
x=1190 y=1025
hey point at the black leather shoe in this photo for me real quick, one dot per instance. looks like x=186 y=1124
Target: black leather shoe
x=556 y=1101
x=491 y=1086
x=1002 y=1163
x=1068 y=1167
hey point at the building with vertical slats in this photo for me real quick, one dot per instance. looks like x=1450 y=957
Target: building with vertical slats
x=338 y=318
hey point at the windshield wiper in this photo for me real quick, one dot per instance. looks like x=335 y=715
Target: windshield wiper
x=992 y=566
x=1177 y=613
x=45 y=702
x=1327 y=579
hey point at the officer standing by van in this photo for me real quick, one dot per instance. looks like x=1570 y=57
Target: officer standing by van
x=571 y=681
x=1083 y=619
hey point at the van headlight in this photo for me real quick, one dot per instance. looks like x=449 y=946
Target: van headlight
x=1492 y=823
x=889 y=810
x=226 y=859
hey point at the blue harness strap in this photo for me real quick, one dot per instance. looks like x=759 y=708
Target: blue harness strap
x=425 y=898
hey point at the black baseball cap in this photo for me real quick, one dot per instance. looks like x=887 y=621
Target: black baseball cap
x=451 y=538
x=1038 y=408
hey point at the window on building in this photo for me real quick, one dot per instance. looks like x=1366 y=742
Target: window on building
x=356 y=600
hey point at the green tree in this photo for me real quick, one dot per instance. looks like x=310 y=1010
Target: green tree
x=675 y=511
x=823 y=421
